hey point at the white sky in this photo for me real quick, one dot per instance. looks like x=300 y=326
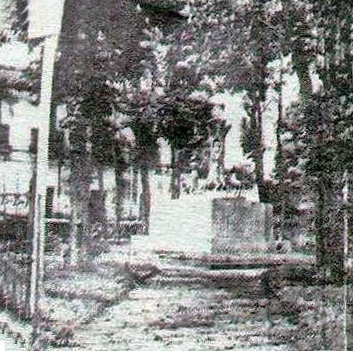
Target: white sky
x=16 y=54
x=44 y=17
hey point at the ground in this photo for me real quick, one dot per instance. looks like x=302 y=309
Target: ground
x=172 y=311
x=185 y=306
x=133 y=299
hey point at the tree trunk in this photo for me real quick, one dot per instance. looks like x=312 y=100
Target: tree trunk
x=79 y=240
x=349 y=212
x=80 y=179
x=175 y=176
x=280 y=161
x=145 y=198
x=30 y=228
x=330 y=228
x=224 y=129
x=101 y=188
x=259 y=154
x=135 y=175
x=304 y=78
x=329 y=222
x=258 y=94
x=120 y=188
x=74 y=235
x=100 y=173
x=319 y=224
x=119 y=195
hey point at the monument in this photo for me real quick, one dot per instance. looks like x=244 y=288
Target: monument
x=241 y=226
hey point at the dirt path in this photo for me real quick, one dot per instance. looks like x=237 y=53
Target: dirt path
x=182 y=318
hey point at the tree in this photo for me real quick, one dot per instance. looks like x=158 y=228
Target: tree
x=181 y=118
x=187 y=125
x=14 y=80
x=315 y=33
x=320 y=124
x=231 y=45
x=100 y=45
x=331 y=108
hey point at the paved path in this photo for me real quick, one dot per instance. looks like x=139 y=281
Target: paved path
x=177 y=311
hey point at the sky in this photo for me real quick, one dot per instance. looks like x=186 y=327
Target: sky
x=44 y=16
x=234 y=113
x=16 y=54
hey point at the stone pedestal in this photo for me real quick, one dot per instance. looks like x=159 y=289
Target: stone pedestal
x=241 y=226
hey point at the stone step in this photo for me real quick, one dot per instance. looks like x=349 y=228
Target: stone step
x=255 y=260
x=240 y=285
x=266 y=335
x=248 y=274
